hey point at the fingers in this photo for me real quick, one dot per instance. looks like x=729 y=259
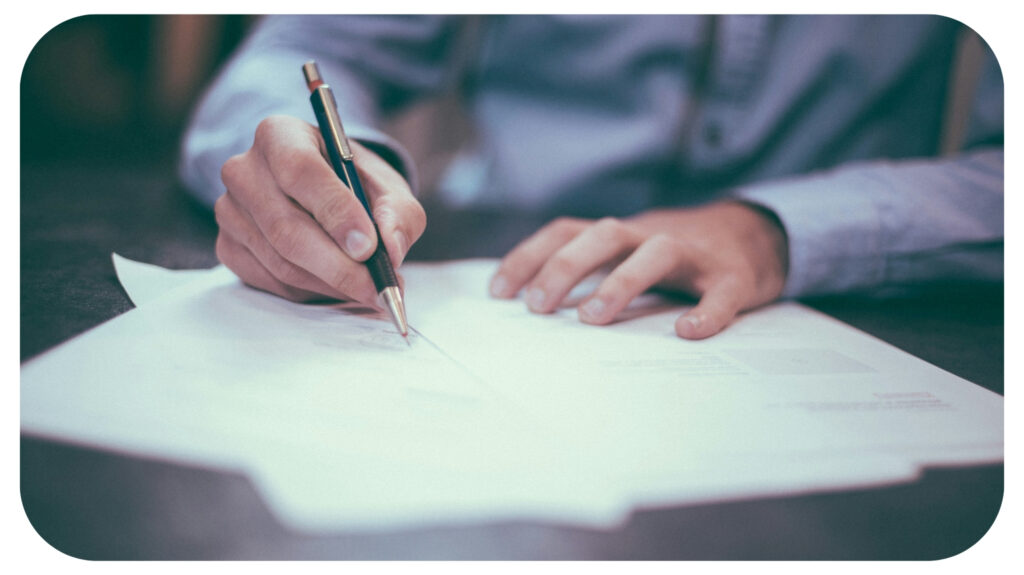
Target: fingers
x=291 y=149
x=241 y=261
x=289 y=221
x=557 y=258
x=243 y=248
x=282 y=235
x=597 y=245
x=715 y=310
x=653 y=262
x=655 y=259
x=527 y=258
x=291 y=152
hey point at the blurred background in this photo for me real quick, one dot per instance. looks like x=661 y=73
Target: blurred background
x=108 y=90
x=111 y=89
x=104 y=100
x=119 y=88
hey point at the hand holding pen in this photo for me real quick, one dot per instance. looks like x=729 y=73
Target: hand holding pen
x=290 y=226
x=340 y=154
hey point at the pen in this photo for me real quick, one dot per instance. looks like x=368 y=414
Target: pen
x=340 y=154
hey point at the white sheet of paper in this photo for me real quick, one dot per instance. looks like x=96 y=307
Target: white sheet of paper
x=491 y=412
x=146 y=282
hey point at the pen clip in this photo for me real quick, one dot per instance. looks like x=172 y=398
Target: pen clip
x=326 y=108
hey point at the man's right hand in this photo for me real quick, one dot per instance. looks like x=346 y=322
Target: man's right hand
x=289 y=226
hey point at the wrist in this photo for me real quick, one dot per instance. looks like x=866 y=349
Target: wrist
x=768 y=240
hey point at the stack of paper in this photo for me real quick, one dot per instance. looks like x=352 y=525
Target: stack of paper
x=490 y=412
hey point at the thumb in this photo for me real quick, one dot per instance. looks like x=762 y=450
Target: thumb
x=715 y=310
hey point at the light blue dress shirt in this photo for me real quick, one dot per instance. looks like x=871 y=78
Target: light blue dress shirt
x=831 y=122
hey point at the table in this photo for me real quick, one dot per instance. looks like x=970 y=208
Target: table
x=95 y=504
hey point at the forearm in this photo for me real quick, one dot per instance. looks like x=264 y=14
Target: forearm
x=263 y=78
x=877 y=225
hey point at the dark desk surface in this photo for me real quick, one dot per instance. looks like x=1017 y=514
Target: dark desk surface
x=94 y=504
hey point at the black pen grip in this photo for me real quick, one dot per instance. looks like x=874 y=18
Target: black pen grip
x=381 y=270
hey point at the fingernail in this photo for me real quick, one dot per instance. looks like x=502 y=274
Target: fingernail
x=694 y=321
x=593 y=309
x=402 y=241
x=535 y=299
x=357 y=244
x=499 y=286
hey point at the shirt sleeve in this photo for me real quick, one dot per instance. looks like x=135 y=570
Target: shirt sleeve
x=374 y=64
x=885 y=226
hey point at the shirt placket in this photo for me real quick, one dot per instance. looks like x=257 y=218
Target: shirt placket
x=736 y=59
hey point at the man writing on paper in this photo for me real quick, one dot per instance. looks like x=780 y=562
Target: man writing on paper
x=738 y=159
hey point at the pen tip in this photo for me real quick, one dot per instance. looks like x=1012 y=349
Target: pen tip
x=393 y=301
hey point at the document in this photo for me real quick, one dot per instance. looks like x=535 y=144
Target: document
x=489 y=412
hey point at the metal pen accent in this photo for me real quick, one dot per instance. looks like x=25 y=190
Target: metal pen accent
x=339 y=152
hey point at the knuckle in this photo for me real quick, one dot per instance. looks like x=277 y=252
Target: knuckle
x=343 y=281
x=733 y=279
x=285 y=237
x=610 y=230
x=249 y=236
x=664 y=243
x=564 y=227
x=268 y=127
x=289 y=170
x=561 y=222
x=231 y=171
x=625 y=282
x=562 y=265
x=335 y=211
x=288 y=274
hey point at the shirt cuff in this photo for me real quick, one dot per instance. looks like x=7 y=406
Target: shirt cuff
x=833 y=229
